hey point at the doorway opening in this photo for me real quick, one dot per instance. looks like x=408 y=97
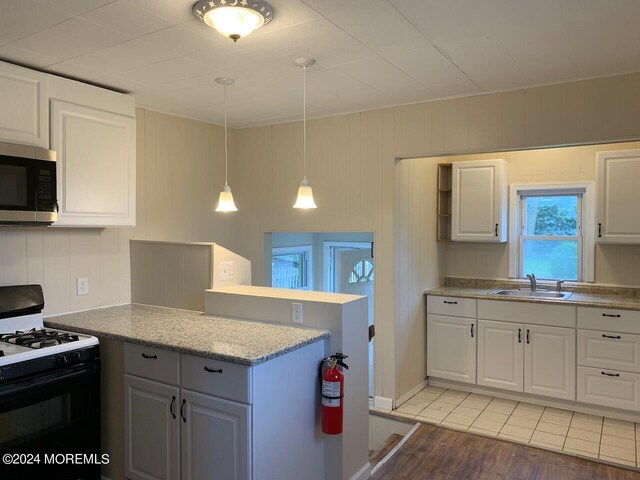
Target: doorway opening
x=335 y=262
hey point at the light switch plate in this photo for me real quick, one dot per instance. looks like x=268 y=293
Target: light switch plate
x=226 y=270
x=296 y=312
x=82 y=286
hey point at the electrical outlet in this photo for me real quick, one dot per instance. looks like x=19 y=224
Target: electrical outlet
x=226 y=270
x=82 y=286
x=296 y=312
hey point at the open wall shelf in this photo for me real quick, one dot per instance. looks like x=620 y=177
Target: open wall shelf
x=443 y=205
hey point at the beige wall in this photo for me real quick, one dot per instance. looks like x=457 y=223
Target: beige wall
x=614 y=264
x=180 y=172
x=351 y=167
x=55 y=257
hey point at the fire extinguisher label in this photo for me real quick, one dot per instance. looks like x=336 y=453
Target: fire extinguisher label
x=330 y=389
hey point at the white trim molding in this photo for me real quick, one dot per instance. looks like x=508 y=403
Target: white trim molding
x=588 y=222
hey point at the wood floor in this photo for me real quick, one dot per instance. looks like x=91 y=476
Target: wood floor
x=438 y=453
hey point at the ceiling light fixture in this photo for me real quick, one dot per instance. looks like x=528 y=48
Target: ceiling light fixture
x=234 y=18
x=305 y=194
x=225 y=202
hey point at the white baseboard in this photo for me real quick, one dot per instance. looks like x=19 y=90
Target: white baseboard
x=363 y=473
x=383 y=403
x=539 y=400
x=412 y=392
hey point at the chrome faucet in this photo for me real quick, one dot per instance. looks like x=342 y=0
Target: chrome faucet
x=532 y=279
x=559 y=285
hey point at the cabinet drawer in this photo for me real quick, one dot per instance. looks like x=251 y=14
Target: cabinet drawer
x=620 y=351
x=625 y=321
x=454 y=306
x=531 y=313
x=609 y=388
x=221 y=379
x=152 y=363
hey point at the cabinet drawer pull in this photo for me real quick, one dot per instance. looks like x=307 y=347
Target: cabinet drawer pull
x=617 y=337
x=211 y=370
x=182 y=411
x=528 y=332
x=450 y=303
x=496 y=230
x=152 y=357
x=472 y=330
x=610 y=374
x=173 y=400
x=600 y=230
x=519 y=335
x=610 y=315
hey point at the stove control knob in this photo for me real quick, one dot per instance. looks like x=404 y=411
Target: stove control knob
x=62 y=360
x=76 y=357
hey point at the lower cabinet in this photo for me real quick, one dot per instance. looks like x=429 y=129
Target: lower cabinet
x=501 y=355
x=215 y=437
x=550 y=361
x=451 y=348
x=609 y=388
x=152 y=430
x=527 y=358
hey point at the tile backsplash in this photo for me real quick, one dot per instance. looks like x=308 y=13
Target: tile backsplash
x=55 y=257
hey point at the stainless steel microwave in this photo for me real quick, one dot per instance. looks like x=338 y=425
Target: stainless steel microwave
x=27 y=185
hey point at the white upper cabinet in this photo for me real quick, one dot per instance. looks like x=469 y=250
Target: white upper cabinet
x=618 y=196
x=479 y=201
x=24 y=112
x=93 y=132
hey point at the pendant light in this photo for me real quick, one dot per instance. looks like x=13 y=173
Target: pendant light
x=305 y=194
x=225 y=202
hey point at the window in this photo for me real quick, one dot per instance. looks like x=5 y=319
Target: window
x=361 y=273
x=547 y=235
x=291 y=267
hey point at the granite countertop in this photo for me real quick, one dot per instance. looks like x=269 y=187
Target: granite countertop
x=194 y=333
x=596 y=296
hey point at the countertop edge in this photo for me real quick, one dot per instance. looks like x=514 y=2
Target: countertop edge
x=248 y=362
x=484 y=295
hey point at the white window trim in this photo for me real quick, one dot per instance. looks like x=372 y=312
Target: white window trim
x=588 y=223
x=292 y=250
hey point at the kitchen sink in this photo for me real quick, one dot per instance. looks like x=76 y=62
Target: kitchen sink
x=533 y=294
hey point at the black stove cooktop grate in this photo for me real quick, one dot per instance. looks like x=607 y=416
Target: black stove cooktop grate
x=38 y=338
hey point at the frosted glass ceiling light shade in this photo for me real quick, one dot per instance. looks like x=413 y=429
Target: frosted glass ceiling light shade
x=305 y=194
x=225 y=201
x=234 y=18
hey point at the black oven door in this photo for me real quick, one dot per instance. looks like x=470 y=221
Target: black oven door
x=49 y=415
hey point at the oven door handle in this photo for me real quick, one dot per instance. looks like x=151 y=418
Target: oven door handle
x=21 y=385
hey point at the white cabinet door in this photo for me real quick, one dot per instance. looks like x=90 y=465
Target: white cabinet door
x=500 y=355
x=451 y=348
x=216 y=438
x=152 y=430
x=24 y=112
x=609 y=388
x=96 y=166
x=479 y=196
x=618 y=197
x=550 y=361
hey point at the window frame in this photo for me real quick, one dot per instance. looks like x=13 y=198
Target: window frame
x=586 y=222
x=307 y=251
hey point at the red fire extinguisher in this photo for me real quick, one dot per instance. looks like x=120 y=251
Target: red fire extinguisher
x=332 y=391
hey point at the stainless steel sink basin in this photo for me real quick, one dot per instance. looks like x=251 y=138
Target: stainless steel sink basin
x=534 y=294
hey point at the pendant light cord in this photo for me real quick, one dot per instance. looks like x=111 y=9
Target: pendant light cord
x=304 y=119
x=226 y=156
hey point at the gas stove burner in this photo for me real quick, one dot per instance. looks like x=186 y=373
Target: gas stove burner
x=38 y=338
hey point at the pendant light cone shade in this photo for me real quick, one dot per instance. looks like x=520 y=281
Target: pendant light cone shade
x=305 y=194
x=225 y=201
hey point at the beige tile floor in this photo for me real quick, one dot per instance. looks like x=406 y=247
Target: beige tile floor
x=603 y=438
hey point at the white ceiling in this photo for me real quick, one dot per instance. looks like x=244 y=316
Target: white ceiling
x=371 y=53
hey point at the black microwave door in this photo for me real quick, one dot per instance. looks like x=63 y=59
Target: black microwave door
x=17 y=184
